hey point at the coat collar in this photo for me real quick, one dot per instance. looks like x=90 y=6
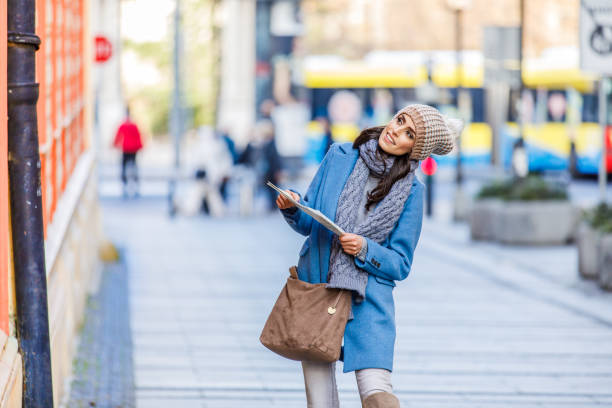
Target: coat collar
x=347 y=148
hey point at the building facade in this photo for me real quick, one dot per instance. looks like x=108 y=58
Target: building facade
x=236 y=104
x=70 y=207
x=352 y=28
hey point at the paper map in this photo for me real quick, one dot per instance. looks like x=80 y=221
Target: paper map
x=316 y=214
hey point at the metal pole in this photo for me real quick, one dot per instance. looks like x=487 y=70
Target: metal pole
x=429 y=188
x=603 y=89
x=26 y=206
x=460 y=202
x=458 y=48
x=520 y=161
x=521 y=114
x=176 y=120
x=263 y=54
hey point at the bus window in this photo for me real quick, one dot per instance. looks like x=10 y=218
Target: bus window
x=319 y=100
x=556 y=105
x=478 y=105
x=590 y=108
x=512 y=113
x=530 y=99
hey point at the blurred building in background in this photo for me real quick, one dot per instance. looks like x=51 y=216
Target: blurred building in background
x=389 y=53
x=109 y=100
x=70 y=206
x=353 y=28
x=299 y=53
x=378 y=56
x=237 y=86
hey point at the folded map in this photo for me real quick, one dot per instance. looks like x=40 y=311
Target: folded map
x=316 y=214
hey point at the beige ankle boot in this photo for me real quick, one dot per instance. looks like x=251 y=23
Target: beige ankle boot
x=381 y=400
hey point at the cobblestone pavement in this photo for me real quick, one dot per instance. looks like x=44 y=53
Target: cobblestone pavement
x=479 y=325
x=103 y=368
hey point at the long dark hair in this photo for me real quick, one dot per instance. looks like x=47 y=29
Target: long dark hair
x=400 y=168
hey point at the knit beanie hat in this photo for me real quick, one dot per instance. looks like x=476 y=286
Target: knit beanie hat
x=435 y=133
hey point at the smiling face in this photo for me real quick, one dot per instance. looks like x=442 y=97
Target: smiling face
x=397 y=138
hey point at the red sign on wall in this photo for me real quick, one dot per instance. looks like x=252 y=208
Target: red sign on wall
x=104 y=49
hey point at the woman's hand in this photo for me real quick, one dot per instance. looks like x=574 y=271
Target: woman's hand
x=283 y=203
x=351 y=243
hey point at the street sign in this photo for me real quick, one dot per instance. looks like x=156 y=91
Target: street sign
x=429 y=166
x=104 y=49
x=596 y=36
x=596 y=57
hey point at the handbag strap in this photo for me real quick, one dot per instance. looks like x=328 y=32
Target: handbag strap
x=340 y=292
x=293 y=273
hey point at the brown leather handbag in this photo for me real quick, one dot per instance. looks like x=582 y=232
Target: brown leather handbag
x=307 y=321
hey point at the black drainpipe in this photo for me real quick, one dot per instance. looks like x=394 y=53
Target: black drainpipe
x=26 y=206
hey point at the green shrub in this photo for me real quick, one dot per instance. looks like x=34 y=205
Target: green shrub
x=600 y=218
x=531 y=188
x=497 y=189
x=536 y=188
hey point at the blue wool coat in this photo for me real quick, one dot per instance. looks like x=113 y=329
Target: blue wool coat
x=369 y=337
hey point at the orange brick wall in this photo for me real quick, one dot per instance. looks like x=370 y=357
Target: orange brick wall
x=60 y=26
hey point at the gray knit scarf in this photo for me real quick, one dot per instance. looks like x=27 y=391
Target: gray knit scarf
x=379 y=222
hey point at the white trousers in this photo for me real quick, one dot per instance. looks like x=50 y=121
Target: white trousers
x=321 y=388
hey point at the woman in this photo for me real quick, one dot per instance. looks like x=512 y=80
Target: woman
x=368 y=188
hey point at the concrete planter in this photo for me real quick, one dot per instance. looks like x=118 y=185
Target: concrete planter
x=537 y=222
x=605 y=262
x=587 y=240
x=483 y=219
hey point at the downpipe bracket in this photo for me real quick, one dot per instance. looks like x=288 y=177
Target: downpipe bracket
x=23 y=39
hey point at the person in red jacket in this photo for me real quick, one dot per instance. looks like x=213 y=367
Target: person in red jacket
x=128 y=139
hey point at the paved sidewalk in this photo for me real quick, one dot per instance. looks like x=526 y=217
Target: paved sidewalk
x=103 y=369
x=479 y=325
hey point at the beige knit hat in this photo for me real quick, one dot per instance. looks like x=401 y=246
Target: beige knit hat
x=435 y=133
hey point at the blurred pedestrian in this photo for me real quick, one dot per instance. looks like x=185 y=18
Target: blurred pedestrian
x=266 y=108
x=129 y=140
x=231 y=148
x=369 y=188
x=213 y=169
x=272 y=165
x=262 y=157
x=327 y=137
